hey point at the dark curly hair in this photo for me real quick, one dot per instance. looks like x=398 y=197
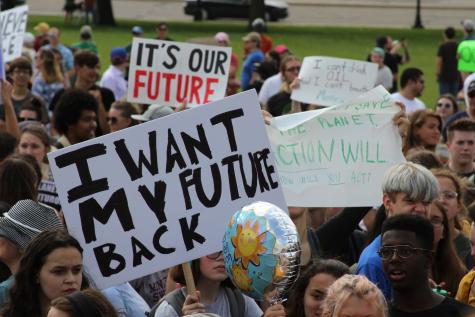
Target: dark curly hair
x=70 y=106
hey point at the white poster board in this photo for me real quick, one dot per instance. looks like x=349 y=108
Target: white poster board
x=161 y=193
x=168 y=73
x=336 y=156
x=328 y=81
x=12 y=28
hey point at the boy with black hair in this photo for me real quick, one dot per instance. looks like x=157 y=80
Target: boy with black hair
x=407 y=256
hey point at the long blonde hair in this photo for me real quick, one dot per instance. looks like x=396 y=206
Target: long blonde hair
x=51 y=70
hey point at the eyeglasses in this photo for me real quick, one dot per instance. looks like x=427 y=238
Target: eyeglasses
x=293 y=69
x=21 y=72
x=214 y=256
x=448 y=195
x=112 y=120
x=436 y=222
x=444 y=105
x=26 y=119
x=402 y=251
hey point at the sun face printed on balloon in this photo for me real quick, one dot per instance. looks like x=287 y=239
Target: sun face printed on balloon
x=240 y=278
x=248 y=243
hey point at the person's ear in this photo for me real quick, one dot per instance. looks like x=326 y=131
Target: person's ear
x=387 y=203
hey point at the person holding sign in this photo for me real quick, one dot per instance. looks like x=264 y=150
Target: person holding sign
x=215 y=292
x=425 y=128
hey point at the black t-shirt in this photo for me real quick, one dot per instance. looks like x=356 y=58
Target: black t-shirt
x=448 y=308
x=448 y=52
x=392 y=61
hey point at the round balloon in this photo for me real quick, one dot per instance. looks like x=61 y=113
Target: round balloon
x=262 y=251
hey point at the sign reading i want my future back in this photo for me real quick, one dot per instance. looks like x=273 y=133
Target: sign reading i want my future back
x=337 y=156
x=328 y=81
x=168 y=73
x=161 y=193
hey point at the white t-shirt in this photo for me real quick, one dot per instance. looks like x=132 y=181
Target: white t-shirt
x=270 y=87
x=220 y=307
x=411 y=105
x=384 y=78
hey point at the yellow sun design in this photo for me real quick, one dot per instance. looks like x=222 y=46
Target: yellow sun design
x=240 y=278
x=248 y=244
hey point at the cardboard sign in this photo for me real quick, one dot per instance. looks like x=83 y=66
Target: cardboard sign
x=327 y=81
x=168 y=73
x=161 y=193
x=336 y=156
x=12 y=28
x=466 y=53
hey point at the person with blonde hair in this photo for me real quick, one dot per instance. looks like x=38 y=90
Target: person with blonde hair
x=49 y=79
x=424 y=131
x=354 y=295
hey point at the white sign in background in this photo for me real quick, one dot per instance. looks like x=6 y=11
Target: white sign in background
x=168 y=73
x=337 y=156
x=12 y=28
x=197 y=168
x=328 y=81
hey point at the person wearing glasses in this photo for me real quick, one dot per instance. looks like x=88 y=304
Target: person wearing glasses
x=280 y=103
x=407 y=257
x=450 y=195
x=215 y=293
x=408 y=188
x=447 y=269
x=446 y=106
x=120 y=116
x=273 y=84
x=412 y=86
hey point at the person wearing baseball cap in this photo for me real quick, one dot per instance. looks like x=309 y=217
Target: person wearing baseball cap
x=252 y=43
x=153 y=112
x=86 y=43
x=384 y=76
x=23 y=222
x=162 y=32
x=468 y=27
x=41 y=37
x=113 y=78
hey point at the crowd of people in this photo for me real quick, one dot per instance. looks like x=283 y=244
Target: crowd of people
x=412 y=256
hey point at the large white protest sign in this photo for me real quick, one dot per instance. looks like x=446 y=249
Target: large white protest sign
x=336 y=156
x=169 y=73
x=161 y=193
x=327 y=81
x=12 y=28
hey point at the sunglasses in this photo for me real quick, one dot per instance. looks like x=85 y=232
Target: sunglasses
x=444 y=105
x=293 y=69
x=112 y=120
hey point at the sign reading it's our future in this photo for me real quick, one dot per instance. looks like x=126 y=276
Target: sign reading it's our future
x=327 y=81
x=337 y=156
x=12 y=30
x=169 y=73
x=161 y=193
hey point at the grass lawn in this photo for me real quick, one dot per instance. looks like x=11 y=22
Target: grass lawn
x=303 y=41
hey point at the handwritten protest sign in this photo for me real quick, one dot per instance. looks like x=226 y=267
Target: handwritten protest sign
x=12 y=28
x=337 y=156
x=327 y=81
x=161 y=193
x=466 y=52
x=169 y=73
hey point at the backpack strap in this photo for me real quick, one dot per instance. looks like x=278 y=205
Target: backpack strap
x=235 y=298
x=175 y=299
